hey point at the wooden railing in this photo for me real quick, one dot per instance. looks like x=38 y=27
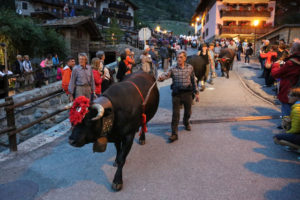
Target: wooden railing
x=12 y=130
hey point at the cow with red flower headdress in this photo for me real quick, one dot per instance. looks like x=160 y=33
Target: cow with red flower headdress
x=115 y=117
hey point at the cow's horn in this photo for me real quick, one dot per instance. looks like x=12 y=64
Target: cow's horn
x=100 y=111
x=68 y=106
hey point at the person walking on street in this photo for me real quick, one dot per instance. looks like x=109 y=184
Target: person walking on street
x=67 y=72
x=82 y=80
x=163 y=52
x=211 y=58
x=154 y=58
x=28 y=71
x=239 y=51
x=248 y=52
x=217 y=51
x=183 y=87
x=204 y=54
x=146 y=60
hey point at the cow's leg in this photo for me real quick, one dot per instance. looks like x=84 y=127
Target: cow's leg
x=125 y=148
x=118 y=148
x=142 y=139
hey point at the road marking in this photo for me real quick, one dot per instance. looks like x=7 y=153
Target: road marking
x=223 y=120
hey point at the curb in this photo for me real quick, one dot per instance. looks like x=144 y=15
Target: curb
x=254 y=92
x=38 y=141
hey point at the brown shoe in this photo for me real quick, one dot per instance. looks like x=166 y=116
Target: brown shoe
x=173 y=138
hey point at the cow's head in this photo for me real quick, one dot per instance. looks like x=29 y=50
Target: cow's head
x=91 y=128
x=225 y=62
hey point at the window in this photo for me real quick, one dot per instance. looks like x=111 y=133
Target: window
x=206 y=32
x=24 y=6
x=207 y=17
x=203 y=35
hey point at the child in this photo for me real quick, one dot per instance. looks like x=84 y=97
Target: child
x=292 y=136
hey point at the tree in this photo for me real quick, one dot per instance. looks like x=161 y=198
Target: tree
x=8 y=5
x=23 y=36
x=114 y=33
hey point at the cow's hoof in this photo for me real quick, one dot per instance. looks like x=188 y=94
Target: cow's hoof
x=142 y=142
x=117 y=187
x=227 y=77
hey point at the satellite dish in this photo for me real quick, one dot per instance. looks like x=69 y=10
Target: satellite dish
x=19 y=11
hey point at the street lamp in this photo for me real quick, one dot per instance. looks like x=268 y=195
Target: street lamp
x=158 y=28
x=196 y=25
x=3 y=45
x=255 y=24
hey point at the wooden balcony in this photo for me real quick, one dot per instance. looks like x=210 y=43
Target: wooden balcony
x=237 y=13
x=125 y=16
x=245 y=30
x=118 y=6
x=107 y=13
x=51 y=2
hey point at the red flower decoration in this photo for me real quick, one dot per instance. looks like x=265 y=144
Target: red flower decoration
x=79 y=110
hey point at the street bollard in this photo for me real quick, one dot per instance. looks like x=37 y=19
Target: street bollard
x=10 y=116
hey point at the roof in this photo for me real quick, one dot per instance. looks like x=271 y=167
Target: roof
x=132 y=4
x=71 y=22
x=279 y=28
x=203 y=4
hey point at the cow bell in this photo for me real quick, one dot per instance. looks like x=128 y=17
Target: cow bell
x=100 y=145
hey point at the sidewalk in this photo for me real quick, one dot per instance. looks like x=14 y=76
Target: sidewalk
x=250 y=74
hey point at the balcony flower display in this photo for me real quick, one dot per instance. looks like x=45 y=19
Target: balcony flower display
x=241 y=8
x=271 y=9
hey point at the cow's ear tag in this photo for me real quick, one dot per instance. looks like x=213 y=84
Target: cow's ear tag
x=100 y=145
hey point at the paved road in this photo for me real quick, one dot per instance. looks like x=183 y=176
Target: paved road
x=231 y=161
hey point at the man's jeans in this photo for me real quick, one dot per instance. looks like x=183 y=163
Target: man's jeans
x=285 y=109
x=186 y=99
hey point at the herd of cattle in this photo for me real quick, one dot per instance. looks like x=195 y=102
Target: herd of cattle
x=116 y=115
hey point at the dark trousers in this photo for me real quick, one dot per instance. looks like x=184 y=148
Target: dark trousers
x=247 y=58
x=269 y=80
x=290 y=137
x=186 y=99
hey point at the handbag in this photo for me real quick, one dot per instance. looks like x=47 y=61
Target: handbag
x=42 y=64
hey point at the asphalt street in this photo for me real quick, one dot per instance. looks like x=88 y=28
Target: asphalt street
x=215 y=161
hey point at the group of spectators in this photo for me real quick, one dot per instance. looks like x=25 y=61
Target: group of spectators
x=281 y=65
x=91 y=80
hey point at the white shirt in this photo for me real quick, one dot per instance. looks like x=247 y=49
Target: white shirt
x=27 y=66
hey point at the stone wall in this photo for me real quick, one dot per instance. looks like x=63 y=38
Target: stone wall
x=26 y=114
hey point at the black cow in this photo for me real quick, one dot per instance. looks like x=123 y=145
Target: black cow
x=116 y=117
x=226 y=58
x=199 y=66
